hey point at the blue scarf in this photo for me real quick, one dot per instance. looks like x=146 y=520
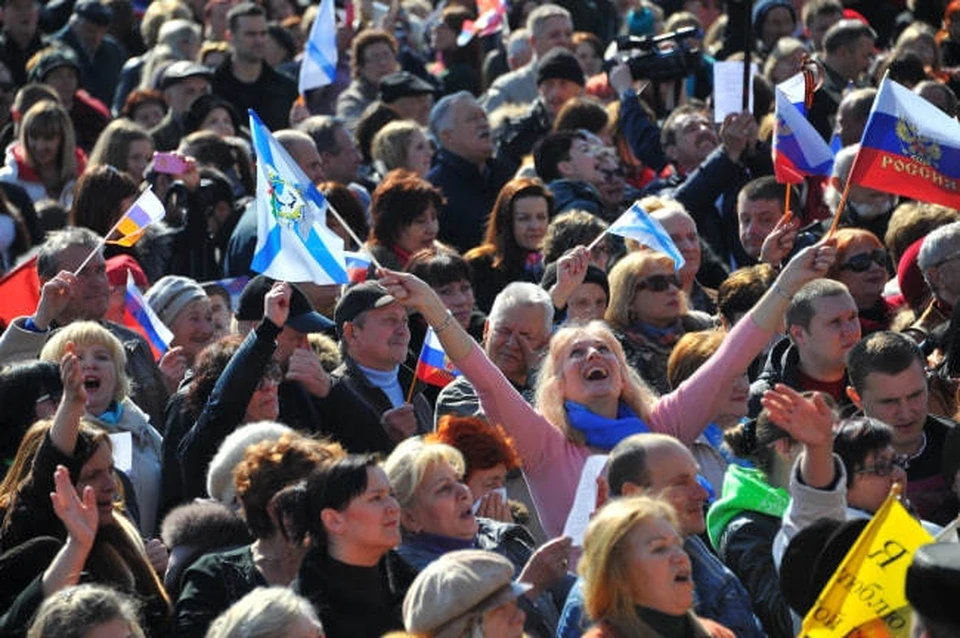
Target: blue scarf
x=113 y=413
x=601 y=432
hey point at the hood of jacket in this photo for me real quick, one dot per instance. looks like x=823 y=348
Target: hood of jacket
x=744 y=489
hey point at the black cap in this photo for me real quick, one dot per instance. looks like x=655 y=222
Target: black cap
x=302 y=318
x=181 y=70
x=403 y=84
x=54 y=58
x=812 y=557
x=933 y=582
x=360 y=298
x=560 y=64
x=95 y=11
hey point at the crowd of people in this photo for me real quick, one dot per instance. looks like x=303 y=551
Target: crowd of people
x=281 y=468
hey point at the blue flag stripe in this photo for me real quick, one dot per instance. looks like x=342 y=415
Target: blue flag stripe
x=324 y=258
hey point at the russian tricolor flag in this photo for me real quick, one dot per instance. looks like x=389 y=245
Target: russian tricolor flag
x=910 y=148
x=434 y=367
x=138 y=316
x=358 y=265
x=146 y=210
x=798 y=150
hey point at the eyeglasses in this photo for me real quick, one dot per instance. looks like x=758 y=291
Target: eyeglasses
x=882 y=469
x=272 y=376
x=659 y=283
x=862 y=261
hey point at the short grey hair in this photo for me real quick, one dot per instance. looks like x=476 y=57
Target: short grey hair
x=842 y=164
x=441 y=116
x=173 y=32
x=288 y=138
x=521 y=293
x=263 y=613
x=942 y=243
x=518 y=42
x=48 y=257
x=323 y=130
x=539 y=16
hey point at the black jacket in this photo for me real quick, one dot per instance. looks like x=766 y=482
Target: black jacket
x=746 y=547
x=782 y=367
x=271 y=95
x=488 y=280
x=470 y=196
x=355 y=602
x=354 y=407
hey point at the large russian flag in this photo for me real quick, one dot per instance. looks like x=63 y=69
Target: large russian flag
x=138 y=316
x=434 y=367
x=909 y=147
x=798 y=150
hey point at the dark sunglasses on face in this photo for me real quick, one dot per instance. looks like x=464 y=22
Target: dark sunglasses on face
x=862 y=261
x=659 y=283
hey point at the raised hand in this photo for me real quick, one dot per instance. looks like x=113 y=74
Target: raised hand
x=304 y=366
x=571 y=270
x=71 y=376
x=494 y=505
x=79 y=516
x=738 y=133
x=276 y=303
x=173 y=365
x=809 y=264
x=809 y=420
x=55 y=296
x=547 y=566
x=413 y=293
x=400 y=423
x=779 y=242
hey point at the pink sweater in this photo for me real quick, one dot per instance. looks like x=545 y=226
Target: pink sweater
x=552 y=463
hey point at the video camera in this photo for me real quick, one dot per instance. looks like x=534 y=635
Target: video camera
x=649 y=61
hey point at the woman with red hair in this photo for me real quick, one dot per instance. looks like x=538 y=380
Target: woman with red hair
x=861 y=265
x=489 y=455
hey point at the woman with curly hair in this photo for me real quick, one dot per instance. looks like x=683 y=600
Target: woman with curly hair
x=405 y=211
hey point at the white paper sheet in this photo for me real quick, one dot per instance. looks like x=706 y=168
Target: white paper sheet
x=122 y=451
x=728 y=88
x=585 y=500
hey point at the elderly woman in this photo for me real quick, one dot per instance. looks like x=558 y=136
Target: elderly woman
x=588 y=398
x=268 y=611
x=465 y=594
x=86 y=611
x=511 y=248
x=215 y=581
x=405 y=212
x=488 y=455
x=402 y=144
x=350 y=574
x=102 y=362
x=862 y=266
x=637 y=576
x=184 y=307
x=437 y=517
x=648 y=313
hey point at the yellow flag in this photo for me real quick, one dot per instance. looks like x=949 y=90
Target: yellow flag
x=865 y=597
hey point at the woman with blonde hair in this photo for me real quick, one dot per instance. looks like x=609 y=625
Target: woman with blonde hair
x=45 y=161
x=637 y=577
x=588 y=398
x=402 y=144
x=648 y=313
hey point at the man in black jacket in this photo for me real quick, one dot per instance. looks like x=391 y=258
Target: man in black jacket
x=245 y=79
x=369 y=408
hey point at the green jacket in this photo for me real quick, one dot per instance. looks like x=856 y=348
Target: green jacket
x=744 y=489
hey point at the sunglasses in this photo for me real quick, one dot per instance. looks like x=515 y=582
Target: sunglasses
x=862 y=261
x=659 y=283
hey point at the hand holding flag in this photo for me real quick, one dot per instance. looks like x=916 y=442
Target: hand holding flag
x=434 y=367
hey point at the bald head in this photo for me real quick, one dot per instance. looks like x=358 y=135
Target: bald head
x=303 y=151
x=631 y=459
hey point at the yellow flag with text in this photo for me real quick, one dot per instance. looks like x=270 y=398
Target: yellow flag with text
x=865 y=597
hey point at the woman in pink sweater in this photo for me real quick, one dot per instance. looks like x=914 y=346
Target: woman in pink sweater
x=588 y=398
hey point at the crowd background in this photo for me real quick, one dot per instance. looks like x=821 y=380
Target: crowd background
x=282 y=469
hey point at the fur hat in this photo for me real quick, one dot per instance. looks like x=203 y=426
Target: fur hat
x=220 y=471
x=560 y=64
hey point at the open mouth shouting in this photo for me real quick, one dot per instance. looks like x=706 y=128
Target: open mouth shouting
x=596 y=373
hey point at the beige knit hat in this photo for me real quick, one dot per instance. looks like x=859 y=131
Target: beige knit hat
x=455 y=589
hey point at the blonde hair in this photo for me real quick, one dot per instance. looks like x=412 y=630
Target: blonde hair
x=604 y=566
x=624 y=278
x=89 y=333
x=409 y=461
x=550 y=387
x=46 y=119
x=389 y=146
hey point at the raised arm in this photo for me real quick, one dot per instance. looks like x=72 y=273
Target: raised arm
x=687 y=410
x=66 y=420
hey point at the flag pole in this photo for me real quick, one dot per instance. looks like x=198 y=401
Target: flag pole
x=596 y=241
x=352 y=234
x=840 y=206
x=413 y=385
x=787 y=214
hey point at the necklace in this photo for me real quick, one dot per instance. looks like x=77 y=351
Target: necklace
x=905 y=459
